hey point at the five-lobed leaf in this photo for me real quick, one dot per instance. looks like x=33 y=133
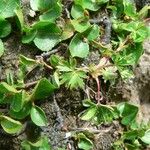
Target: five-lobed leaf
x=130 y=55
x=73 y=79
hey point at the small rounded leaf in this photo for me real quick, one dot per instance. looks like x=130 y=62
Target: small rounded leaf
x=68 y=31
x=85 y=144
x=6 y=88
x=92 y=33
x=29 y=37
x=24 y=112
x=18 y=101
x=89 y=113
x=48 y=35
x=42 y=90
x=80 y=25
x=42 y=5
x=20 y=20
x=146 y=137
x=46 y=42
x=78 y=48
x=38 y=116
x=53 y=13
x=5 y=28
x=11 y=126
x=77 y=11
x=7 y=7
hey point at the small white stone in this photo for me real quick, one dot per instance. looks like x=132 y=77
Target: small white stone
x=68 y=134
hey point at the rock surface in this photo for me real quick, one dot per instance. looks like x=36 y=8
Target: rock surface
x=137 y=90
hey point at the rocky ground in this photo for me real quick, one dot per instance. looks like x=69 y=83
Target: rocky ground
x=137 y=90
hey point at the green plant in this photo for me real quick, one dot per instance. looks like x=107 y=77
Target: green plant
x=119 y=50
x=7 y=10
x=42 y=143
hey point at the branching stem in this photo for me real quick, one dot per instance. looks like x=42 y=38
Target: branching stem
x=104 y=66
x=95 y=131
x=47 y=54
x=42 y=62
x=98 y=90
x=99 y=45
x=28 y=85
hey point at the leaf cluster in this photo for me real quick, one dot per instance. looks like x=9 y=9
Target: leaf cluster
x=22 y=104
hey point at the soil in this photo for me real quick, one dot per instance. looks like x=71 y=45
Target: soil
x=65 y=120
